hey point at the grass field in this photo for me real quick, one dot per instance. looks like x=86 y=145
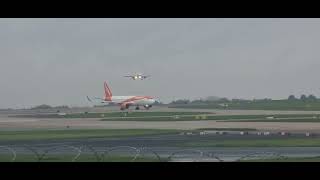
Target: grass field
x=111 y=114
x=226 y=129
x=238 y=118
x=271 y=142
x=67 y=134
x=71 y=157
x=302 y=120
x=286 y=159
x=184 y=116
x=258 y=105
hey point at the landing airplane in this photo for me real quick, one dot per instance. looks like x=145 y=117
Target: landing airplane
x=137 y=76
x=126 y=101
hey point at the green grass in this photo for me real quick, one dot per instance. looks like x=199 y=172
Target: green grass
x=147 y=119
x=68 y=134
x=226 y=129
x=184 y=116
x=258 y=105
x=279 y=120
x=272 y=142
x=110 y=114
x=70 y=158
x=285 y=159
x=238 y=118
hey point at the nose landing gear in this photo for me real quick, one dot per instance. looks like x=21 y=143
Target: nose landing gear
x=137 y=108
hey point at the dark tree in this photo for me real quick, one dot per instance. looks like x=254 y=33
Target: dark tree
x=181 y=101
x=291 y=97
x=303 y=97
x=224 y=100
x=42 y=106
x=312 y=97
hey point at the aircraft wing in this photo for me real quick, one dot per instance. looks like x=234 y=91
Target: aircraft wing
x=127 y=76
x=95 y=99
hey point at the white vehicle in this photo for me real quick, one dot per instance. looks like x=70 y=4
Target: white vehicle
x=243 y=133
x=266 y=133
x=138 y=76
x=126 y=101
x=284 y=133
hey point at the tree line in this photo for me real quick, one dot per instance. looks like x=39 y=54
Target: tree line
x=303 y=97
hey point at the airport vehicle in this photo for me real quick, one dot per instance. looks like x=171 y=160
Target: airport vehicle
x=126 y=101
x=138 y=76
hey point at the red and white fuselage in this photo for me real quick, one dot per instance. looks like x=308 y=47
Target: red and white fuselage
x=126 y=101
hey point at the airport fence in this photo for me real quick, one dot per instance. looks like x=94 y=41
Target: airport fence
x=69 y=153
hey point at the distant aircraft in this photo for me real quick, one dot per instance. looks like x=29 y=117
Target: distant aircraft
x=126 y=101
x=138 y=76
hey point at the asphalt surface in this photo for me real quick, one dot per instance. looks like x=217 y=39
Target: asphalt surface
x=14 y=123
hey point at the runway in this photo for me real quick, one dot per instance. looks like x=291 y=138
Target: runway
x=14 y=123
x=95 y=123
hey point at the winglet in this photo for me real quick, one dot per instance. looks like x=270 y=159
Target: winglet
x=89 y=99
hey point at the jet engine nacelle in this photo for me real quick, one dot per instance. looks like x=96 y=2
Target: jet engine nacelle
x=123 y=107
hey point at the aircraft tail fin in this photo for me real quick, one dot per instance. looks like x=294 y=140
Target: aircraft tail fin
x=107 y=92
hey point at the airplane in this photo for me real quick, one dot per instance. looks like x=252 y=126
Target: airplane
x=126 y=101
x=137 y=76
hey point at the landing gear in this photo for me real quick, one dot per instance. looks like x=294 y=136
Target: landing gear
x=147 y=107
x=137 y=108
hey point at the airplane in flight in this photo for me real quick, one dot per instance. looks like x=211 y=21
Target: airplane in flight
x=126 y=101
x=138 y=76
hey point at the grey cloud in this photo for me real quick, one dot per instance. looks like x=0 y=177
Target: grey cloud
x=60 y=61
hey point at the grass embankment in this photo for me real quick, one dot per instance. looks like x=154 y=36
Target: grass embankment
x=70 y=158
x=69 y=134
x=270 y=142
x=110 y=114
x=183 y=116
x=257 y=105
x=286 y=159
x=236 y=118
x=226 y=129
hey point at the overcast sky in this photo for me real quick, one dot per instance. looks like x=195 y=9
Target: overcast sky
x=61 y=61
